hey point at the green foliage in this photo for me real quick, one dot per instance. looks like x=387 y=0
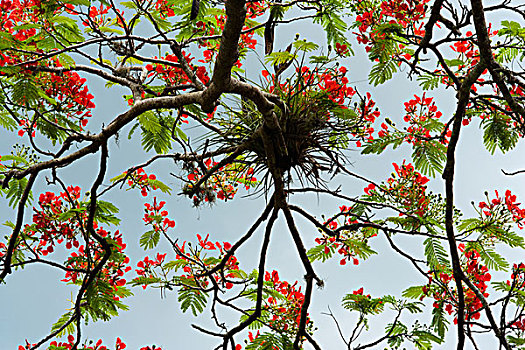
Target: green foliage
x=195 y=300
x=279 y=57
x=319 y=252
x=377 y=146
x=25 y=92
x=150 y=239
x=516 y=341
x=259 y=322
x=498 y=132
x=363 y=304
x=397 y=331
x=437 y=257
x=105 y=211
x=420 y=336
x=270 y=341
x=489 y=256
x=100 y=302
x=69 y=329
x=382 y=71
x=144 y=281
x=414 y=292
x=359 y=247
x=332 y=23
x=15 y=190
x=304 y=45
x=156 y=132
x=429 y=157
x=428 y=82
x=439 y=322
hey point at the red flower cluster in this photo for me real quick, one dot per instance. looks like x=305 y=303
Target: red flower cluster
x=506 y=208
x=147 y=266
x=406 y=188
x=254 y=9
x=156 y=217
x=285 y=307
x=98 y=17
x=479 y=276
x=370 y=17
x=421 y=113
x=342 y=49
x=62 y=219
x=192 y=261
x=172 y=74
x=47 y=223
x=112 y=272
x=343 y=242
x=140 y=179
x=16 y=12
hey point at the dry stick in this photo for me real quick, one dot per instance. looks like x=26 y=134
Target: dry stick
x=310 y=273
x=429 y=26
x=513 y=173
x=102 y=241
x=448 y=176
x=260 y=281
x=486 y=55
x=16 y=232
x=488 y=59
x=228 y=54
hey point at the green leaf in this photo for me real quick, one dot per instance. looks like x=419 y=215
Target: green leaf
x=192 y=299
x=150 y=122
x=428 y=82
x=437 y=257
x=321 y=252
x=129 y=4
x=15 y=190
x=439 y=323
x=25 y=92
x=498 y=132
x=414 y=292
x=160 y=185
x=454 y=62
x=515 y=340
x=80 y=2
x=111 y=30
x=306 y=46
x=429 y=157
x=382 y=71
x=319 y=59
x=270 y=341
x=69 y=329
x=280 y=57
x=150 y=239
x=489 y=256
x=377 y=146
x=175 y=264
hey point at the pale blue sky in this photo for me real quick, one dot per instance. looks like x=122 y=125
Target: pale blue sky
x=34 y=298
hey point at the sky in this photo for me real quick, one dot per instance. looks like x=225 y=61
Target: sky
x=33 y=298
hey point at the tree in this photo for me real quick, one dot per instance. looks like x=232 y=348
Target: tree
x=196 y=97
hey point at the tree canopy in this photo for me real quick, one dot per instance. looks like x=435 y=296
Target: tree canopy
x=240 y=113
